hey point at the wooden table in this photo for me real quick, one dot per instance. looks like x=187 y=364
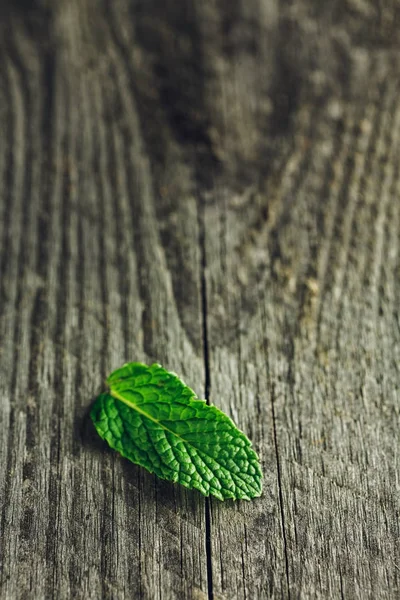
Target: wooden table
x=215 y=186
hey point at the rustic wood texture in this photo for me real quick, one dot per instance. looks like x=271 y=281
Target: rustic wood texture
x=214 y=185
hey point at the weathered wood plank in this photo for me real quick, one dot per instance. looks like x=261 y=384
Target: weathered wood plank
x=301 y=275
x=85 y=287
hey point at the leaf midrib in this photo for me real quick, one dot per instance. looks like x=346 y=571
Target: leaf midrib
x=117 y=396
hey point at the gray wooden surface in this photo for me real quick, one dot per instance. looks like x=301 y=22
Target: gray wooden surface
x=213 y=185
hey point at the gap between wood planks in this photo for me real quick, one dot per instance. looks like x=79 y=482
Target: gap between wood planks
x=207 y=382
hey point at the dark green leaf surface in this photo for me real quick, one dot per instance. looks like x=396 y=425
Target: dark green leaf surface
x=152 y=418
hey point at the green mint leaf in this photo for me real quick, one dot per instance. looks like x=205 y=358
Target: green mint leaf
x=152 y=418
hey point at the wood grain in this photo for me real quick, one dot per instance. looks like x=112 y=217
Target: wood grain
x=214 y=186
